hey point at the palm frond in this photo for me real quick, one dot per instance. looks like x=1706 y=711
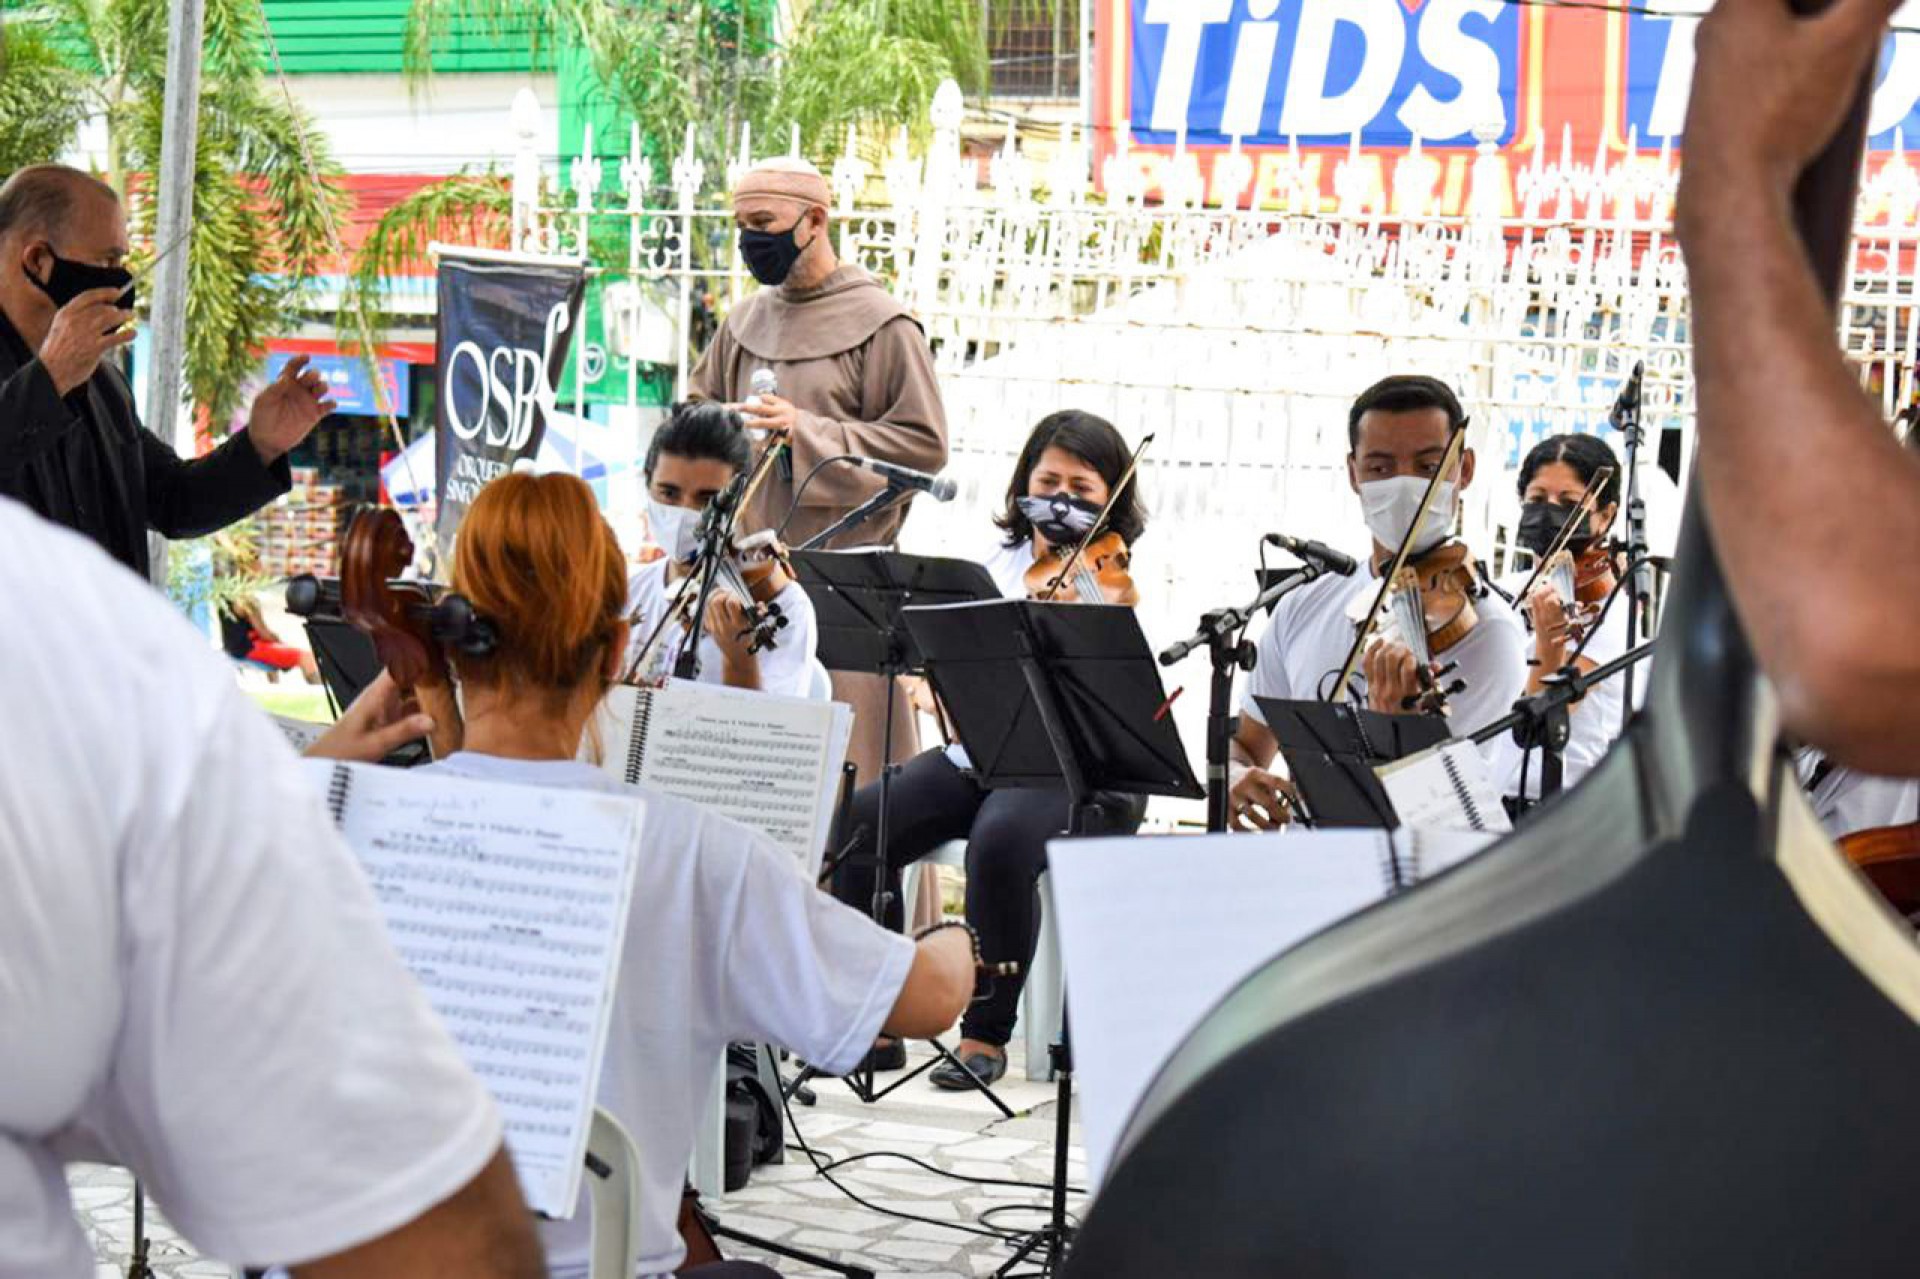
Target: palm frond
x=471 y=208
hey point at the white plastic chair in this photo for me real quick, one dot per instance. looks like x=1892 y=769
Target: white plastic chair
x=1043 y=999
x=616 y=1199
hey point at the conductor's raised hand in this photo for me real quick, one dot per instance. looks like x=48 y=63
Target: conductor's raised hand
x=1769 y=91
x=83 y=331
x=287 y=411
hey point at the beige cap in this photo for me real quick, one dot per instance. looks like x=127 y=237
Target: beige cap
x=783 y=178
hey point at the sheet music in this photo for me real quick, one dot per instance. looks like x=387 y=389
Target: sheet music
x=766 y=761
x=1143 y=973
x=509 y=905
x=1447 y=788
x=300 y=733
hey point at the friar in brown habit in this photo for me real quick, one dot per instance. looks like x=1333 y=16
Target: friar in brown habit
x=853 y=374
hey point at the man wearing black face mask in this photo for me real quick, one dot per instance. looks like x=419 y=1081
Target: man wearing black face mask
x=71 y=447
x=852 y=374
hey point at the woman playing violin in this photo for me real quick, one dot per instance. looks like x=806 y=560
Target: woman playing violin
x=1554 y=480
x=1067 y=472
x=692 y=459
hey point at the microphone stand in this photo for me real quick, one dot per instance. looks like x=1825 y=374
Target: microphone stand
x=1544 y=719
x=716 y=532
x=894 y=493
x=1220 y=632
x=1625 y=418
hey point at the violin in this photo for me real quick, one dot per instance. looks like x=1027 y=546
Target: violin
x=411 y=624
x=1093 y=570
x=1098 y=575
x=1889 y=856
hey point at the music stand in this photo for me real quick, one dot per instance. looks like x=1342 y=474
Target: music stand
x=1094 y=718
x=1332 y=749
x=858 y=598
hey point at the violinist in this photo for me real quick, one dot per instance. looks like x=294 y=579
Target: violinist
x=728 y=939
x=692 y=459
x=1555 y=479
x=1067 y=473
x=1399 y=433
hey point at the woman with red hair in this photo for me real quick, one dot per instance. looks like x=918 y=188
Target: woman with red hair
x=728 y=939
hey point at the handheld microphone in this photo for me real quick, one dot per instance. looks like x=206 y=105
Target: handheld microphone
x=764 y=382
x=937 y=487
x=1320 y=553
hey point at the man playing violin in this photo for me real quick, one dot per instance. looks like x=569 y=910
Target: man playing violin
x=700 y=450
x=1398 y=433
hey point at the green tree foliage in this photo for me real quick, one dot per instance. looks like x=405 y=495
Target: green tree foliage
x=265 y=189
x=42 y=99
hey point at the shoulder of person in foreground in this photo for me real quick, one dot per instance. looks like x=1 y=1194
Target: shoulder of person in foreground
x=260 y=1017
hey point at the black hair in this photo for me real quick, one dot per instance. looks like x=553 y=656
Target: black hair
x=702 y=429
x=1586 y=454
x=1094 y=441
x=40 y=198
x=1403 y=393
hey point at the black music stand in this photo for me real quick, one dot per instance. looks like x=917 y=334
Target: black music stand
x=858 y=597
x=1094 y=718
x=1332 y=749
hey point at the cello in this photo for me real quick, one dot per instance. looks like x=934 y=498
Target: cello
x=412 y=624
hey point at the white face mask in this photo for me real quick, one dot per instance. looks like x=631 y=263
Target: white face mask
x=1390 y=504
x=676 y=530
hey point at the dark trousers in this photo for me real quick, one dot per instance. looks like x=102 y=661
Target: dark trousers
x=1006 y=833
x=732 y=1270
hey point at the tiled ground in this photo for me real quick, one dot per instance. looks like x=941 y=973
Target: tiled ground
x=792 y=1204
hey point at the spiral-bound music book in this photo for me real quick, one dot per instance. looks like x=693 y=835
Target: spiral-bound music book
x=509 y=905
x=766 y=761
x=1446 y=788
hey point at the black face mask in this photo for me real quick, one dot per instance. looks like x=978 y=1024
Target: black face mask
x=1541 y=522
x=69 y=279
x=1061 y=518
x=770 y=255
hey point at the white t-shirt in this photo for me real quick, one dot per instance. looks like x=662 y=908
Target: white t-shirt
x=1596 y=721
x=787 y=668
x=1008 y=565
x=727 y=941
x=1847 y=802
x=195 y=980
x=1300 y=653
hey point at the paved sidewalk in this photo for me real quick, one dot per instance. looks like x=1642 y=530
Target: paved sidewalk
x=791 y=1203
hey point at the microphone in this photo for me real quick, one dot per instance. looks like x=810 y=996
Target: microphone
x=1320 y=553
x=764 y=382
x=937 y=487
x=1627 y=404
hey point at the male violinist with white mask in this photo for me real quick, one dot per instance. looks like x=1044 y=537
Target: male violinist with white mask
x=1397 y=434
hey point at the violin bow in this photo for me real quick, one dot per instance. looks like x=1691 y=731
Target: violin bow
x=1449 y=461
x=1588 y=501
x=1073 y=560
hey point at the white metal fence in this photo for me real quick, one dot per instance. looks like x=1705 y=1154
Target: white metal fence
x=1237 y=336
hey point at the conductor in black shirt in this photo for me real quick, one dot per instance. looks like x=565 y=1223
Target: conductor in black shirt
x=71 y=446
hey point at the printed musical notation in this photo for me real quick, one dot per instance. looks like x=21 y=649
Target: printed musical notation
x=771 y=763
x=509 y=905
